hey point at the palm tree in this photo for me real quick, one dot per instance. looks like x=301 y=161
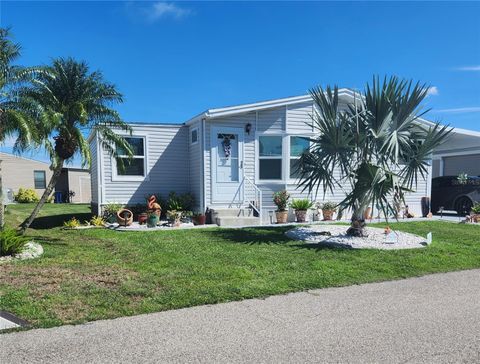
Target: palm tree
x=379 y=145
x=71 y=101
x=14 y=122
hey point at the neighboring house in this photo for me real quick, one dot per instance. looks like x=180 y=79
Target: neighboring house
x=19 y=172
x=460 y=154
x=74 y=185
x=231 y=159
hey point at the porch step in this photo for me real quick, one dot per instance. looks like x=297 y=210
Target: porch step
x=237 y=221
x=235 y=217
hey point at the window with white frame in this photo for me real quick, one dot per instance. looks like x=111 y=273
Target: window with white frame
x=134 y=167
x=270 y=157
x=298 y=145
x=194 y=136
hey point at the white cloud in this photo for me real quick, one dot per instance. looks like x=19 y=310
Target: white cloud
x=461 y=110
x=469 y=68
x=432 y=91
x=160 y=10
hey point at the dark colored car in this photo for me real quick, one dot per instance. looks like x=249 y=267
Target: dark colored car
x=452 y=194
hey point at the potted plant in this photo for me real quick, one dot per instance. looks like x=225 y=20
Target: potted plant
x=152 y=219
x=142 y=218
x=476 y=212
x=199 y=218
x=280 y=199
x=301 y=207
x=328 y=209
x=110 y=212
x=175 y=217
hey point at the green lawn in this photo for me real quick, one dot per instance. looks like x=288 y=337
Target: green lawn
x=95 y=274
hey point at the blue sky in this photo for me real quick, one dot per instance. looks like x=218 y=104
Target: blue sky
x=173 y=60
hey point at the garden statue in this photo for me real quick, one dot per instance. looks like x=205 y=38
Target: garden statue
x=153 y=206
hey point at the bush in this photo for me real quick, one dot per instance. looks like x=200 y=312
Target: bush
x=26 y=195
x=97 y=221
x=280 y=199
x=11 y=242
x=72 y=223
x=301 y=204
x=183 y=201
x=476 y=208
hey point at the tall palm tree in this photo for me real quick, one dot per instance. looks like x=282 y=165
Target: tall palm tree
x=379 y=145
x=71 y=101
x=14 y=122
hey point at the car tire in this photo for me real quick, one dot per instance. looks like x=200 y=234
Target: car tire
x=463 y=206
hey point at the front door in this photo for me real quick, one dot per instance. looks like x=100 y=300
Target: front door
x=227 y=165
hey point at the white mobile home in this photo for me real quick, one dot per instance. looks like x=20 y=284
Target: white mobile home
x=229 y=158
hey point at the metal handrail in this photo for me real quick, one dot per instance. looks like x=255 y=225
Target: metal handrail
x=258 y=208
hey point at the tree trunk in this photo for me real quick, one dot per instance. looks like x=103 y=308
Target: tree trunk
x=51 y=185
x=358 y=224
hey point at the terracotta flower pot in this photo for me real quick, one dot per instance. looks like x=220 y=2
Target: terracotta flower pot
x=301 y=215
x=124 y=217
x=142 y=218
x=327 y=214
x=476 y=218
x=281 y=216
x=199 y=220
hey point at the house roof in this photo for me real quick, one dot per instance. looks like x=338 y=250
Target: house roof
x=261 y=105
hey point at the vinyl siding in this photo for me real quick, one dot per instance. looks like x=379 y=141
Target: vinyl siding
x=195 y=167
x=298 y=117
x=167 y=167
x=17 y=172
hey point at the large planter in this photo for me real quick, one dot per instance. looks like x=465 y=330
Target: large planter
x=125 y=217
x=301 y=215
x=328 y=214
x=199 y=220
x=152 y=220
x=282 y=216
x=476 y=218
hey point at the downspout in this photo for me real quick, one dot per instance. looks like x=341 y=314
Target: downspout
x=99 y=174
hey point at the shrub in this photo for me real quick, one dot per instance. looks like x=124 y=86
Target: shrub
x=11 y=242
x=111 y=209
x=72 y=223
x=26 y=195
x=280 y=199
x=97 y=221
x=183 y=201
x=301 y=204
x=476 y=208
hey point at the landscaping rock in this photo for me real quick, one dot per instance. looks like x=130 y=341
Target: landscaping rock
x=335 y=236
x=32 y=250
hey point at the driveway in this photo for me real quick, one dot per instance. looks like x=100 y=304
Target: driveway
x=432 y=319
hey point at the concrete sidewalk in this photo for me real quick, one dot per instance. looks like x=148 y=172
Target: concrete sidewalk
x=432 y=319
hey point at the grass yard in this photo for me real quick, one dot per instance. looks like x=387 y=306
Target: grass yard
x=96 y=274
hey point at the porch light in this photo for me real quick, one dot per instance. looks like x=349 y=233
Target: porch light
x=248 y=127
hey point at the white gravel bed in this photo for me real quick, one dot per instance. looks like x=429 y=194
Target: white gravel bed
x=376 y=238
x=32 y=250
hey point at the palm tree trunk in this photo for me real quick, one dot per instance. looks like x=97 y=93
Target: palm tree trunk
x=51 y=185
x=357 y=223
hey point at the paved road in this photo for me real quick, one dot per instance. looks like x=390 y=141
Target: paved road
x=433 y=319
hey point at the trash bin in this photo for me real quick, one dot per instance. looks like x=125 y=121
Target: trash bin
x=58 y=197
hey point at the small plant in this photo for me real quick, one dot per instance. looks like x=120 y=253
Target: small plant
x=97 y=221
x=328 y=206
x=11 y=242
x=280 y=199
x=72 y=223
x=174 y=205
x=110 y=211
x=174 y=215
x=301 y=204
x=476 y=208
x=26 y=195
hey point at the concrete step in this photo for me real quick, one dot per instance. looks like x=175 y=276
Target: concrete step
x=237 y=221
x=233 y=212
